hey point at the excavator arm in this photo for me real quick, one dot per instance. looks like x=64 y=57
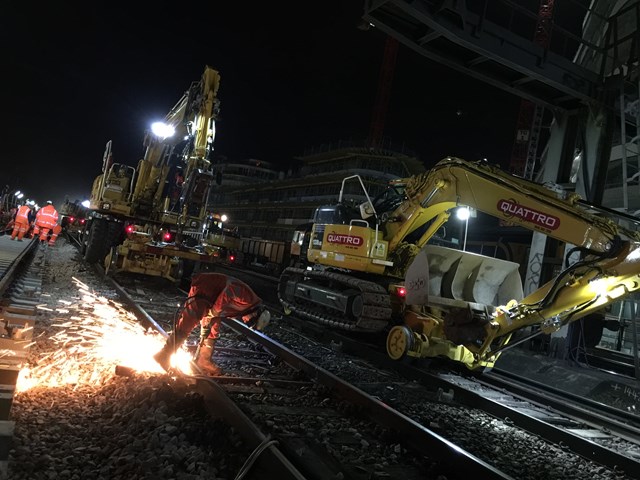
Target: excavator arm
x=608 y=269
x=456 y=182
x=192 y=118
x=185 y=141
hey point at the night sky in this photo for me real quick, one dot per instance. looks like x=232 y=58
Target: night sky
x=293 y=76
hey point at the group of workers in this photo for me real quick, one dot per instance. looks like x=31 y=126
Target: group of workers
x=44 y=222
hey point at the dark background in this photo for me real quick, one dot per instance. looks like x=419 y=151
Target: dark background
x=293 y=76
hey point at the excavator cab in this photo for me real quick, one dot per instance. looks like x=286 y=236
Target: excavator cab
x=117 y=183
x=388 y=200
x=111 y=191
x=339 y=214
x=380 y=209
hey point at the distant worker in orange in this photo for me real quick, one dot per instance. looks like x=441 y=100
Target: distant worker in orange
x=46 y=219
x=55 y=231
x=212 y=297
x=21 y=223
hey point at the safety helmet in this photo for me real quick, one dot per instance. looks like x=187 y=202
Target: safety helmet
x=49 y=202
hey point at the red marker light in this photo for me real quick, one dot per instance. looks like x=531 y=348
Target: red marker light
x=129 y=229
x=71 y=219
x=232 y=258
x=82 y=221
x=401 y=291
x=167 y=236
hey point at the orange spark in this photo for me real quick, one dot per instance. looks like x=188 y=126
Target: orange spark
x=96 y=336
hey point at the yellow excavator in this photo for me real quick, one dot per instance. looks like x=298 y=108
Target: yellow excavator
x=372 y=268
x=151 y=219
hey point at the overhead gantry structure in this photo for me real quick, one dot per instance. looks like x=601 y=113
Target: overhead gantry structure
x=592 y=53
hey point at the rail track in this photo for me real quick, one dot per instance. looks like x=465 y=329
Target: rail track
x=468 y=406
x=19 y=285
x=339 y=415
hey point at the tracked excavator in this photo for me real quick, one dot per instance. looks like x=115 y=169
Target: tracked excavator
x=372 y=268
x=150 y=219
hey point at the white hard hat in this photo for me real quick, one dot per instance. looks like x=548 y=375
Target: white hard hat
x=49 y=202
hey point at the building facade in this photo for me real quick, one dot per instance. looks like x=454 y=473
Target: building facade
x=269 y=205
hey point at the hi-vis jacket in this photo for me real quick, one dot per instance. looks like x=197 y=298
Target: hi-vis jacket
x=22 y=215
x=47 y=217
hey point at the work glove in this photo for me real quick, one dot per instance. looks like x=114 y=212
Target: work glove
x=263 y=320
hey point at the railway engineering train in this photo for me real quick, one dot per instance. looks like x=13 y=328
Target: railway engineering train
x=72 y=216
x=149 y=219
x=268 y=256
x=372 y=269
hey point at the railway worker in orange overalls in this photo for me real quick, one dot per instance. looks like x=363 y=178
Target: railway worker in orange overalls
x=212 y=297
x=46 y=219
x=21 y=223
x=55 y=231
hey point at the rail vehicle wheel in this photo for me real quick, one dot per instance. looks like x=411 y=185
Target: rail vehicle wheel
x=96 y=243
x=115 y=234
x=399 y=341
x=102 y=235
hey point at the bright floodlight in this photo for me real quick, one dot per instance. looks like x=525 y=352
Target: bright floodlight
x=85 y=204
x=17 y=193
x=162 y=130
x=223 y=218
x=21 y=195
x=463 y=213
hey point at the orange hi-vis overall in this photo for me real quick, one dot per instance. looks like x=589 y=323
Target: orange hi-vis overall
x=46 y=219
x=55 y=231
x=213 y=296
x=21 y=225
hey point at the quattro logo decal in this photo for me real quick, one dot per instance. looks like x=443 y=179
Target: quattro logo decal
x=511 y=208
x=352 y=240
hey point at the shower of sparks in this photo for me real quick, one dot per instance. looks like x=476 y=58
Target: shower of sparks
x=97 y=335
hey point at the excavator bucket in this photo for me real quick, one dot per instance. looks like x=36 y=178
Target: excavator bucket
x=465 y=276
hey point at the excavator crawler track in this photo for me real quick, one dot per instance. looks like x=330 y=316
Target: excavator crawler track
x=368 y=303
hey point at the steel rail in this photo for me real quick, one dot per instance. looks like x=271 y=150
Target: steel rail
x=579 y=445
x=421 y=438
x=10 y=273
x=620 y=421
x=12 y=359
x=145 y=319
